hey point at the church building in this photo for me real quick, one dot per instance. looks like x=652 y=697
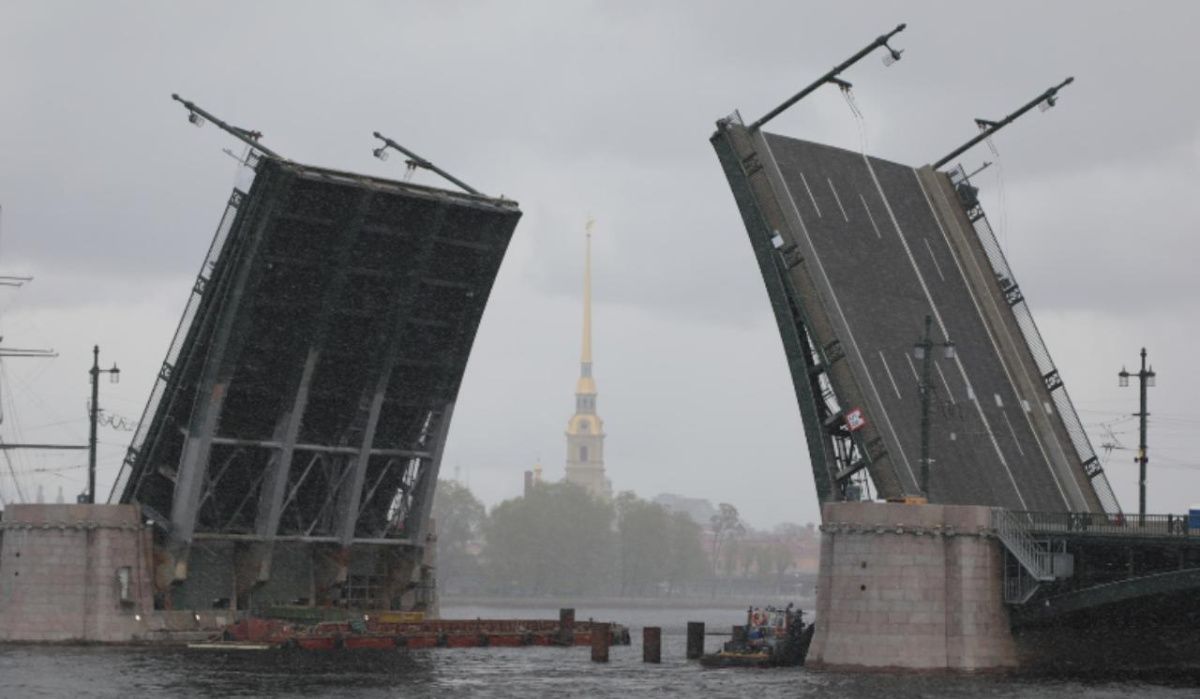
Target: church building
x=585 y=431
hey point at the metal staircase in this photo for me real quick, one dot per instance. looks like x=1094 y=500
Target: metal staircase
x=1036 y=560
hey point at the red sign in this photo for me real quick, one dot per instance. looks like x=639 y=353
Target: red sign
x=855 y=420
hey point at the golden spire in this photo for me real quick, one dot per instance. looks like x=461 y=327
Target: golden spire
x=587 y=293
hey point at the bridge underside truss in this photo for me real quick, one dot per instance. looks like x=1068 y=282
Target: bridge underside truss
x=308 y=392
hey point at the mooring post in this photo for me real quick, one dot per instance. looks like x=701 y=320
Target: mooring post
x=566 y=627
x=695 y=640
x=652 y=644
x=600 y=642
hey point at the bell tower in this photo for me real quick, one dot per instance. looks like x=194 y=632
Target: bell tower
x=585 y=430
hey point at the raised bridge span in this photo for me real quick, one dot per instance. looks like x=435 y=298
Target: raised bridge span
x=291 y=445
x=856 y=252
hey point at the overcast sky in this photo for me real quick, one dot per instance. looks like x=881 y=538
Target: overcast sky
x=110 y=199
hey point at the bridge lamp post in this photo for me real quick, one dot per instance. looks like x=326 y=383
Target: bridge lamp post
x=1145 y=380
x=923 y=350
x=114 y=376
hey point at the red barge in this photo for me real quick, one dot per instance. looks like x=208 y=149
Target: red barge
x=389 y=630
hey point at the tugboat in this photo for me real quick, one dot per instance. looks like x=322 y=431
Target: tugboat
x=772 y=637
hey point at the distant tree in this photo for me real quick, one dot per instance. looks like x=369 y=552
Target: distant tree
x=558 y=539
x=459 y=517
x=726 y=526
x=685 y=561
x=644 y=543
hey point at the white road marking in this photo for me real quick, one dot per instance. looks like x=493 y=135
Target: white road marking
x=999 y=403
x=1014 y=433
x=935 y=262
x=1082 y=502
x=1049 y=408
x=1025 y=405
x=889 y=373
x=870 y=217
x=837 y=199
x=941 y=324
x=810 y=195
x=945 y=383
x=887 y=420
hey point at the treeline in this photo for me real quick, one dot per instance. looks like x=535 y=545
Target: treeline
x=558 y=540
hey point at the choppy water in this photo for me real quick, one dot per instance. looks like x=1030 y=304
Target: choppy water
x=52 y=671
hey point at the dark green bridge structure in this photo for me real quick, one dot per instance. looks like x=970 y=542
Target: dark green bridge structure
x=291 y=445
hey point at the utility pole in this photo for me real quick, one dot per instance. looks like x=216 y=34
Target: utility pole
x=1045 y=100
x=1145 y=380
x=889 y=58
x=114 y=376
x=923 y=350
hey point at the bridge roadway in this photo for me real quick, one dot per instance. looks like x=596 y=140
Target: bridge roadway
x=877 y=241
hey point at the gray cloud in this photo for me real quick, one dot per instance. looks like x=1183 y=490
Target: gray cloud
x=603 y=108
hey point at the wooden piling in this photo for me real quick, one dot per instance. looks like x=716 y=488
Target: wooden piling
x=566 y=627
x=695 y=640
x=652 y=644
x=600 y=642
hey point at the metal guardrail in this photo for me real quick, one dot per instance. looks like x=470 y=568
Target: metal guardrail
x=1041 y=355
x=1099 y=524
x=158 y=392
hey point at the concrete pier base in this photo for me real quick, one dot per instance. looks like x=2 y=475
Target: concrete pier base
x=916 y=587
x=74 y=573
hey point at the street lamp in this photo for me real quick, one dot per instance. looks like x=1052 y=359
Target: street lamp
x=1146 y=379
x=114 y=376
x=923 y=350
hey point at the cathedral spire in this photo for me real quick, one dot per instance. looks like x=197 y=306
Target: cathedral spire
x=585 y=430
x=586 y=357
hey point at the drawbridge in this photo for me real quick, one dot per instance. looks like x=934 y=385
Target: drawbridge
x=291 y=445
x=856 y=252
x=859 y=255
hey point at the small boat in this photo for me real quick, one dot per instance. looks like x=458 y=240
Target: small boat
x=772 y=637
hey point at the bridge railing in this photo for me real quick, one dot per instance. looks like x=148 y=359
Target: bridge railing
x=1041 y=355
x=1101 y=524
x=245 y=178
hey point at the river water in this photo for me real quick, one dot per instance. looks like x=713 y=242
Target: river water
x=57 y=671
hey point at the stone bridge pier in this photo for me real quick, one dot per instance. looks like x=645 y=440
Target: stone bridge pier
x=916 y=587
